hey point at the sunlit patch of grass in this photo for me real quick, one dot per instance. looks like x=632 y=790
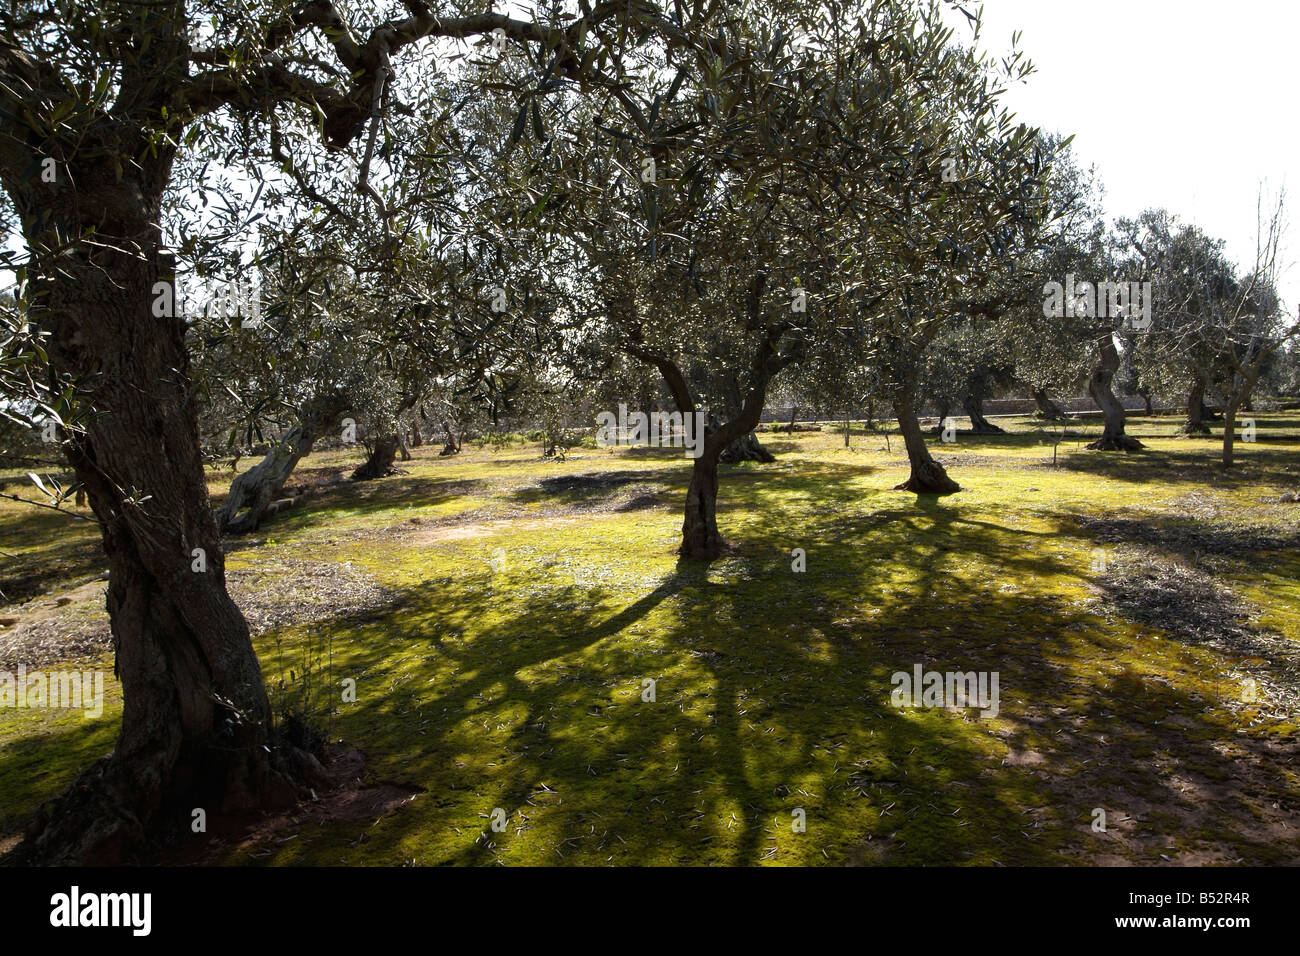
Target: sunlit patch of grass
x=511 y=671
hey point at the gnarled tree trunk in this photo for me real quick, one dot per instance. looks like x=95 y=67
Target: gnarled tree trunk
x=452 y=444
x=196 y=722
x=974 y=407
x=379 y=463
x=928 y=476
x=746 y=448
x=1099 y=387
x=1195 y=424
x=1235 y=393
x=700 y=535
x=1229 y=433
x=256 y=488
x=1047 y=408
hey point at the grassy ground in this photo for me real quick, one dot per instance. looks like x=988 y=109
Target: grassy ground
x=500 y=615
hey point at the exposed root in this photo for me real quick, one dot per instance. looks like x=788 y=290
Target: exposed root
x=116 y=813
x=1116 y=443
x=929 y=478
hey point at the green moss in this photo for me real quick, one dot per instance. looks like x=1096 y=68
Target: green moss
x=509 y=671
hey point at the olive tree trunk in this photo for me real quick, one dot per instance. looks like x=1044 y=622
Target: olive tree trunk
x=1195 y=424
x=379 y=463
x=1047 y=408
x=452 y=445
x=973 y=405
x=700 y=535
x=254 y=490
x=747 y=448
x=927 y=475
x=1236 y=393
x=196 y=722
x=1099 y=387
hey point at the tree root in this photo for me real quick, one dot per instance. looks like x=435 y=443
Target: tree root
x=114 y=813
x=1116 y=443
x=929 y=479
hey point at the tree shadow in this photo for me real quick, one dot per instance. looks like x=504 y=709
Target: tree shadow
x=521 y=691
x=772 y=695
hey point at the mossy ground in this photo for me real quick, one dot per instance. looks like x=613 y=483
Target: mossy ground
x=530 y=600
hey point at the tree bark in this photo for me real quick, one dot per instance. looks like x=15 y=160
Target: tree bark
x=974 y=408
x=700 y=535
x=256 y=488
x=1235 y=395
x=1047 y=408
x=379 y=463
x=196 y=723
x=417 y=439
x=452 y=445
x=928 y=477
x=1099 y=387
x=1229 y=432
x=747 y=448
x=1195 y=424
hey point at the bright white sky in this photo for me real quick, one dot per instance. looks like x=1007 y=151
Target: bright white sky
x=1185 y=104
